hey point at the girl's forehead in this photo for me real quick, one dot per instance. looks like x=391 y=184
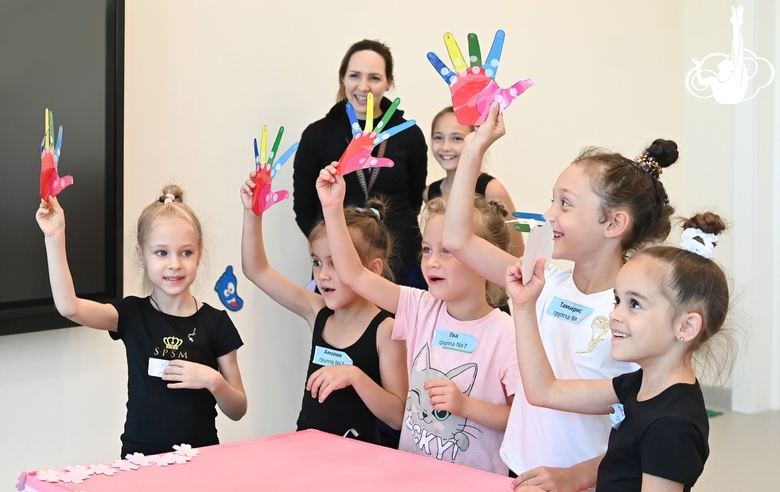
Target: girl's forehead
x=319 y=246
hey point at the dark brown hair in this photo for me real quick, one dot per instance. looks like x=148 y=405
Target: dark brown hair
x=447 y=110
x=695 y=283
x=488 y=224
x=369 y=234
x=377 y=47
x=620 y=183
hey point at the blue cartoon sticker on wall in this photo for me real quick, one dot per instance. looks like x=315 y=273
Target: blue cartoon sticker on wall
x=226 y=290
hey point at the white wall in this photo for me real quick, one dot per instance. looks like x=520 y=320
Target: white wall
x=203 y=77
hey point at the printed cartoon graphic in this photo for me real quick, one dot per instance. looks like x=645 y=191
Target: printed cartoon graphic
x=473 y=87
x=226 y=290
x=358 y=153
x=437 y=432
x=732 y=80
x=599 y=328
x=51 y=182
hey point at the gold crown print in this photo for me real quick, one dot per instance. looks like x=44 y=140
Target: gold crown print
x=172 y=343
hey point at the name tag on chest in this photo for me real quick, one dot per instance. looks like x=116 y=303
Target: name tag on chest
x=330 y=357
x=567 y=310
x=453 y=340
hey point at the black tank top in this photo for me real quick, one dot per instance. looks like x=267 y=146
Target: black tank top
x=434 y=189
x=343 y=410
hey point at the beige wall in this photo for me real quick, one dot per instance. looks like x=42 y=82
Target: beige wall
x=203 y=77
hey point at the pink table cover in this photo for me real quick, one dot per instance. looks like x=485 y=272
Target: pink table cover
x=303 y=461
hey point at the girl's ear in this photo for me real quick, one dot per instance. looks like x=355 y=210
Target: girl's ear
x=618 y=224
x=377 y=266
x=140 y=255
x=689 y=327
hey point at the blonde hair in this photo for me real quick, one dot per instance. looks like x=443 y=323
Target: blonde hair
x=488 y=224
x=370 y=236
x=159 y=209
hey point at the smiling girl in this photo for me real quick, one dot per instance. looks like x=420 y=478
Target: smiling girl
x=367 y=67
x=447 y=139
x=668 y=303
x=181 y=352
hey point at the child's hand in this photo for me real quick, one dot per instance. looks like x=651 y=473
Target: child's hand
x=190 y=375
x=50 y=217
x=490 y=131
x=546 y=478
x=330 y=187
x=328 y=379
x=248 y=190
x=445 y=395
x=524 y=295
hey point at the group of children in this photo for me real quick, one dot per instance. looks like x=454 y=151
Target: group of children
x=464 y=382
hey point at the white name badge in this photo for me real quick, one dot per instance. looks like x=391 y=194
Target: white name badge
x=330 y=357
x=453 y=340
x=567 y=310
x=157 y=366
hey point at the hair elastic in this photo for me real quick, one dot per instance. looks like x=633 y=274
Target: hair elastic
x=689 y=242
x=650 y=166
x=375 y=211
x=169 y=198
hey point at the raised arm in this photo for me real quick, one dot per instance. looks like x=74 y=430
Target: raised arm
x=496 y=191
x=255 y=266
x=367 y=284
x=541 y=387
x=458 y=235
x=51 y=220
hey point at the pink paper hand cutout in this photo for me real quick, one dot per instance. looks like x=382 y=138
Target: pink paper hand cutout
x=358 y=153
x=51 y=182
x=473 y=87
x=263 y=198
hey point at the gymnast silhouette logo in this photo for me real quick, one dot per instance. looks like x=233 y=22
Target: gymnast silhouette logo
x=731 y=83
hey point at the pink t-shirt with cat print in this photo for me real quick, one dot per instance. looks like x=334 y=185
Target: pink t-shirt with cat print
x=479 y=356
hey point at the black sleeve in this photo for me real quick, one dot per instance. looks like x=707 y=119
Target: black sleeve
x=418 y=167
x=674 y=449
x=227 y=338
x=120 y=307
x=306 y=168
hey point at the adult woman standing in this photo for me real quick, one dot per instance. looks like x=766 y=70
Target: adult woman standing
x=367 y=67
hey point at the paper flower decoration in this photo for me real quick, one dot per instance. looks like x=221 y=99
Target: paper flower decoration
x=473 y=86
x=47 y=476
x=51 y=182
x=358 y=153
x=263 y=198
x=186 y=450
x=103 y=469
x=124 y=465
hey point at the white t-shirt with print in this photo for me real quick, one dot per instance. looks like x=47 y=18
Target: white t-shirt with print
x=479 y=356
x=575 y=333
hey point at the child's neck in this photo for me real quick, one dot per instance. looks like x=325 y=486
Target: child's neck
x=446 y=183
x=355 y=311
x=183 y=304
x=469 y=308
x=661 y=373
x=598 y=272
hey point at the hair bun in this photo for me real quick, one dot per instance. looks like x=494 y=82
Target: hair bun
x=663 y=151
x=498 y=206
x=172 y=189
x=376 y=204
x=707 y=222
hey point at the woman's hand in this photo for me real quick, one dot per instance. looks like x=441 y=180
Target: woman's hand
x=50 y=217
x=330 y=187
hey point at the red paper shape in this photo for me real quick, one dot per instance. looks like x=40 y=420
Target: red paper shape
x=358 y=155
x=51 y=182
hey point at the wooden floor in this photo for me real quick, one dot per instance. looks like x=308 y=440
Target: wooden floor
x=744 y=453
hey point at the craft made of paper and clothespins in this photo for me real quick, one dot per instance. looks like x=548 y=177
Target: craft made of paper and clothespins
x=539 y=243
x=473 y=86
x=51 y=182
x=265 y=168
x=358 y=154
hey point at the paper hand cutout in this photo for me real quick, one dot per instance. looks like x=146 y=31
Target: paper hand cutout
x=474 y=88
x=358 y=153
x=540 y=240
x=263 y=198
x=51 y=182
